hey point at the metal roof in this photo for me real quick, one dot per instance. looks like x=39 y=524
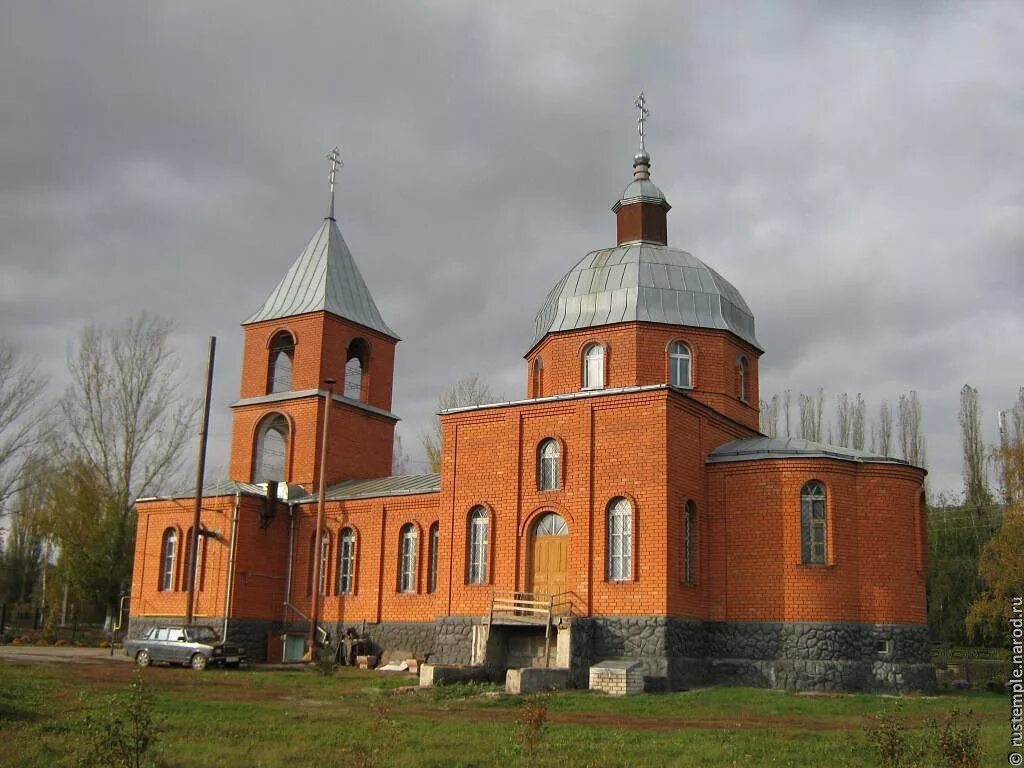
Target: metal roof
x=753 y=448
x=324 y=277
x=648 y=283
x=396 y=485
x=214 y=488
x=641 y=191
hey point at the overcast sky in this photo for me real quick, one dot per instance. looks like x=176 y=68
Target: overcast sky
x=856 y=170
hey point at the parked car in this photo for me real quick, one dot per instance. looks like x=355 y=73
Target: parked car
x=193 y=645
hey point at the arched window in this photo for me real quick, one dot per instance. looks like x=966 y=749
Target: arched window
x=679 y=365
x=325 y=548
x=479 y=531
x=435 y=540
x=813 y=523
x=551 y=524
x=549 y=470
x=689 y=521
x=620 y=540
x=168 y=559
x=593 y=367
x=271 y=449
x=538 y=377
x=282 y=356
x=741 y=378
x=198 y=568
x=357 y=359
x=407 y=558
x=346 y=561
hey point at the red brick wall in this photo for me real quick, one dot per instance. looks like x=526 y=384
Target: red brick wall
x=637 y=355
x=362 y=442
x=321 y=344
x=755 y=556
x=649 y=447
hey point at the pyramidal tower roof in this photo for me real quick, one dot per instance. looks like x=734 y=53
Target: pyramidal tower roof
x=324 y=278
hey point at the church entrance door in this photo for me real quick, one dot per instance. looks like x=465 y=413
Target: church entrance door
x=549 y=555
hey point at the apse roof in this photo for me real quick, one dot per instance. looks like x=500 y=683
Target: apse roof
x=648 y=283
x=324 y=277
x=752 y=448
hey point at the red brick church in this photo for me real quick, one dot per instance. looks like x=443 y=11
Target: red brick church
x=628 y=508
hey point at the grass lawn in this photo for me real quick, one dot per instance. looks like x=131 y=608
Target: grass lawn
x=287 y=718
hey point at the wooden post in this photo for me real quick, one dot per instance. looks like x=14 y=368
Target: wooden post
x=200 y=472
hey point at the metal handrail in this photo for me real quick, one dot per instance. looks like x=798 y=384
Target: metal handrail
x=538 y=604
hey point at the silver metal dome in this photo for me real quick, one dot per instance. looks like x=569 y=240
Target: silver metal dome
x=646 y=283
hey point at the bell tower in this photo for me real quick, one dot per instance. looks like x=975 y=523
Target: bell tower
x=319 y=323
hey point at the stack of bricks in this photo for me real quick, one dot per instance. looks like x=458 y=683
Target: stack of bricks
x=617 y=678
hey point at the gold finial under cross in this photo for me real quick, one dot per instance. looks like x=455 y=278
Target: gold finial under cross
x=641 y=118
x=335 y=157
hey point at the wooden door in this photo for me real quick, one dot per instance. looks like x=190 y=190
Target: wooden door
x=549 y=556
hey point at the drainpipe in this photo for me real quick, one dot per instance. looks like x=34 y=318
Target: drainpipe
x=291 y=558
x=229 y=590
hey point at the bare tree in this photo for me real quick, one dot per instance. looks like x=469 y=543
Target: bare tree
x=769 y=416
x=812 y=409
x=23 y=424
x=976 y=492
x=857 y=418
x=465 y=392
x=128 y=419
x=787 y=400
x=844 y=419
x=399 y=458
x=881 y=434
x=911 y=435
x=1010 y=454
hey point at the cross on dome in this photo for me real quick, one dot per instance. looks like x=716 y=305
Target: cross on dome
x=641 y=119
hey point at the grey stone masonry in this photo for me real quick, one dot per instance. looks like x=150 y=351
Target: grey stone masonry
x=679 y=653
x=454 y=640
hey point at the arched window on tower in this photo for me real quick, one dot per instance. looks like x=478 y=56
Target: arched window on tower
x=593 y=367
x=741 y=378
x=813 y=524
x=356 y=362
x=620 y=540
x=282 y=357
x=549 y=460
x=479 y=532
x=679 y=374
x=269 y=460
x=538 y=377
x=168 y=559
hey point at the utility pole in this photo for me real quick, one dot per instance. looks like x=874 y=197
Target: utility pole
x=318 y=548
x=200 y=472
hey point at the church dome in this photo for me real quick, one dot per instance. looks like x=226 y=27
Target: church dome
x=646 y=283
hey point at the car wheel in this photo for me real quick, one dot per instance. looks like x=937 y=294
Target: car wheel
x=198 y=662
x=142 y=658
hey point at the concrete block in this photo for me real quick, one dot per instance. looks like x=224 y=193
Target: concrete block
x=447 y=674
x=534 y=679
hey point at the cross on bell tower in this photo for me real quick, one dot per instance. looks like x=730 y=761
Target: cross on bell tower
x=334 y=156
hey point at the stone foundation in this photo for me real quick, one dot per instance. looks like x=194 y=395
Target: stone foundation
x=675 y=653
x=679 y=653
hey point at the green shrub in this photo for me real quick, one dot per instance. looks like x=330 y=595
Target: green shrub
x=957 y=740
x=122 y=732
x=895 y=745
